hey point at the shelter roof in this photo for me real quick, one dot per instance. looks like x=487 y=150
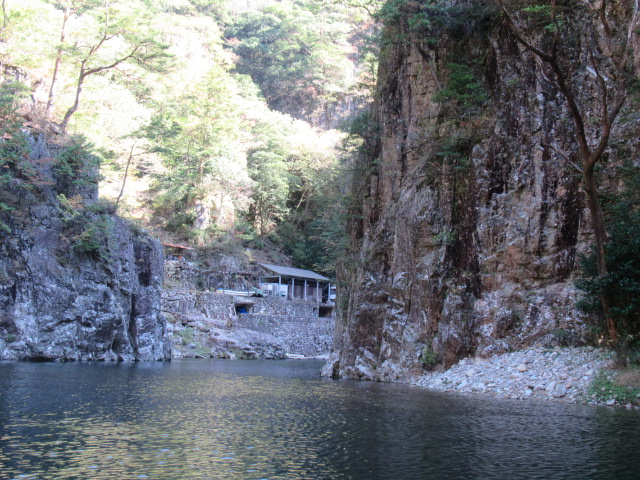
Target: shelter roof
x=176 y=246
x=294 y=272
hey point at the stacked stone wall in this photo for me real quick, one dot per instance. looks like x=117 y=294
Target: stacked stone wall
x=296 y=323
x=293 y=325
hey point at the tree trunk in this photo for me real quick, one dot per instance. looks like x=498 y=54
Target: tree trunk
x=126 y=174
x=610 y=111
x=600 y=236
x=56 y=66
x=76 y=103
x=203 y=215
x=5 y=20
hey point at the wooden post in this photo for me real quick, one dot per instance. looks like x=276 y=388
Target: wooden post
x=293 y=288
x=317 y=291
x=304 y=293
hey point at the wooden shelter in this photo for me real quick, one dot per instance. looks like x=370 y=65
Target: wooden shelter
x=296 y=283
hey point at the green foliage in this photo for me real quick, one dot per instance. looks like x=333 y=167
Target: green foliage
x=186 y=337
x=457 y=147
x=17 y=174
x=269 y=171
x=605 y=387
x=622 y=254
x=77 y=167
x=462 y=88
x=312 y=227
x=207 y=155
x=455 y=151
x=102 y=207
x=315 y=242
x=446 y=238
x=428 y=357
x=542 y=16
x=363 y=134
x=89 y=230
x=429 y=19
x=196 y=135
x=297 y=53
x=94 y=239
x=545 y=9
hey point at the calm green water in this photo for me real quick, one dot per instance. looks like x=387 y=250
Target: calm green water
x=217 y=419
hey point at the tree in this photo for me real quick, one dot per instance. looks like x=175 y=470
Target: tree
x=609 y=53
x=196 y=135
x=121 y=39
x=5 y=16
x=69 y=8
x=268 y=169
x=297 y=56
x=370 y=6
x=622 y=282
x=126 y=175
x=16 y=171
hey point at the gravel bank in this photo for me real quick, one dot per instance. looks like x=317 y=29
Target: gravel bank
x=557 y=374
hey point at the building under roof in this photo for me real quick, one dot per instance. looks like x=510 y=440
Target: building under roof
x=294 y=272
x=296 y=283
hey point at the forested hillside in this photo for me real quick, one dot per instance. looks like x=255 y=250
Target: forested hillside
x=216 y=122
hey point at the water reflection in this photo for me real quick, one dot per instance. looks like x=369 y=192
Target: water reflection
x=277 y=420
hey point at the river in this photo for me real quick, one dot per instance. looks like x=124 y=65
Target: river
x=222 y=419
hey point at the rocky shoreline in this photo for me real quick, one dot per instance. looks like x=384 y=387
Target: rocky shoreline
x=563 y=374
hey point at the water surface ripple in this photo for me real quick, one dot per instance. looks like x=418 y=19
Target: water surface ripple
x=217 y=419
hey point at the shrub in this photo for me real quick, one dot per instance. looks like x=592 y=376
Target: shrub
x=430 y=19
x=624 y=388
x=94 y=239
x=428 y=357
x=89 y=229
x=76 y=167
x=16 y=172
x=462 y=88
x=187 y=336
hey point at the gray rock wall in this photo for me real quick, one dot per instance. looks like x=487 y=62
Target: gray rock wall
x=77 y=283
x=468 y=225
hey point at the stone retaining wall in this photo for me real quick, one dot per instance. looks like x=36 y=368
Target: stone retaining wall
x=190 y=302
x=180 y=274
x=307 y=336
x=295 y=325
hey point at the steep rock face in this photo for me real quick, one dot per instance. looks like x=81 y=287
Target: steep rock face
x=61 y=299
x=470 y=224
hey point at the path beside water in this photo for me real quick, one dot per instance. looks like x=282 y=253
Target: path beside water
x=563 y=374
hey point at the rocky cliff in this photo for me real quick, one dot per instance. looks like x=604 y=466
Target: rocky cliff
x=470 y=215
x=76 y=282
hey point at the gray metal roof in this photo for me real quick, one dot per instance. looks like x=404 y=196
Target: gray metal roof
x=294 y=272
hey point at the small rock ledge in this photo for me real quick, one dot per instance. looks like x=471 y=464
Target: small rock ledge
x=560 y=374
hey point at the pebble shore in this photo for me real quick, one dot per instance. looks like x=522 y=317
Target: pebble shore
x=557 y=374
